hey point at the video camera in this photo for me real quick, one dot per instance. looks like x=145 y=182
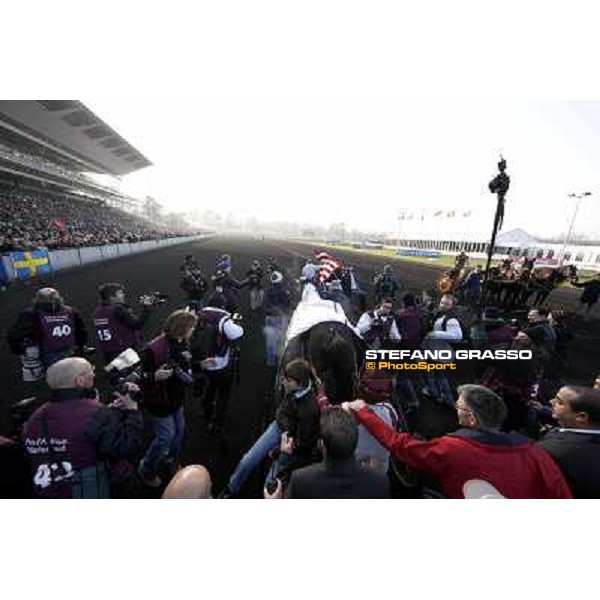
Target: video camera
x=125 y=368
x=153 y=298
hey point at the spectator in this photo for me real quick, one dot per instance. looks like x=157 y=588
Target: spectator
x=575 y=445
x=297 y=416
x=72 y=439
x=29 y=222
x=190 y=483
x=376 y=388
x=339 y=475
x=476 y=454
x=539 y=321
x=409 y=320
x=473 y=286
x=446 y=331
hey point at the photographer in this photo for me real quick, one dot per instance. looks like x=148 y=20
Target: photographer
x=117 y=326
x=194 y=284
x=49 y=329
x=211 y=349
x=253 y=282
x=378 y=326
x=71 y=438
x=166 y=378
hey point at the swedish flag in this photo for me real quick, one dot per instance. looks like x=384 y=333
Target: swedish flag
x=30 y=264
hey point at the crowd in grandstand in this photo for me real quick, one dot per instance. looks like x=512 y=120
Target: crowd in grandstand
x=28 y=222
x=524 y=430
x=40 y=163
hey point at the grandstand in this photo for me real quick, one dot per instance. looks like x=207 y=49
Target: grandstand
x=48 y=146
x=50 y=151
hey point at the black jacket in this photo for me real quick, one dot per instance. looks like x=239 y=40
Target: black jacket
x=164 y=398
x=300 y=417
x=126 y=315
x=343 y=479
x=577 y=453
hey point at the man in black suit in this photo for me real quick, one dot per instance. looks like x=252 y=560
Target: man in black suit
x=575 y=444
x=339 y=475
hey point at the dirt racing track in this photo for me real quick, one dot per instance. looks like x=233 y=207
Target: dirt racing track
x=159 y=271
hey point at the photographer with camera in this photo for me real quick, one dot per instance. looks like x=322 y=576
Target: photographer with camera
x=165 y=381
x=73 y=439
x=378 y=326
x=46 y=333
x=194 y=284
x=117 y=326
x=253 y=282
x=213 y=351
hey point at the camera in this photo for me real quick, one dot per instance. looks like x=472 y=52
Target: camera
x=20 y=412
x=153 y=298
x=125 y=368
x=181 y=373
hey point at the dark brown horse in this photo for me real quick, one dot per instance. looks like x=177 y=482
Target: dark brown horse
x=334 y=352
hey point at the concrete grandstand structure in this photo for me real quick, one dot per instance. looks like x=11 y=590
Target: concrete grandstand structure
x=48 y=146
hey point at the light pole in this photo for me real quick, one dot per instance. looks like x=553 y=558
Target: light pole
x=568 y=236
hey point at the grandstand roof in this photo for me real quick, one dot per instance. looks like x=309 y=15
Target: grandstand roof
x=72 y=130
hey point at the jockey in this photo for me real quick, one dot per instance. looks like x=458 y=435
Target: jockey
x=329 y=267
x=314 y=308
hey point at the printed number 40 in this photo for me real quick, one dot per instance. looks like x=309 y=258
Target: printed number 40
x=61 y=331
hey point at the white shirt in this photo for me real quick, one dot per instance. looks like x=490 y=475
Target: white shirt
x=453 y=331
x=366 y=322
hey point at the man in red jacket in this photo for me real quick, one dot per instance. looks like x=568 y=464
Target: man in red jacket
x=476 y=461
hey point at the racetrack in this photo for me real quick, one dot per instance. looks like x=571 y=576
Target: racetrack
x=159 y=270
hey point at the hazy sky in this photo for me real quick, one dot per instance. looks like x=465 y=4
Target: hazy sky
x=327 y=112
x=326 y=155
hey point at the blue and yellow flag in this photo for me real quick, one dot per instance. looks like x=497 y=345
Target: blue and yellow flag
x=30 y=264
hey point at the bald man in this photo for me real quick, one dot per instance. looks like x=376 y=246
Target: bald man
x=73 y=438
x=50 y=325
x=190 y=483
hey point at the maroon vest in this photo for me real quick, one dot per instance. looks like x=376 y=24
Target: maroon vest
x=54 y=472
x=411 y=324
x=57 y=330
x=160 y=349
x=379 y=330
x=111 y=334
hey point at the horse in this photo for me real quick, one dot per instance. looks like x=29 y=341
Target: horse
x=334 y=352
x=545 y=279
